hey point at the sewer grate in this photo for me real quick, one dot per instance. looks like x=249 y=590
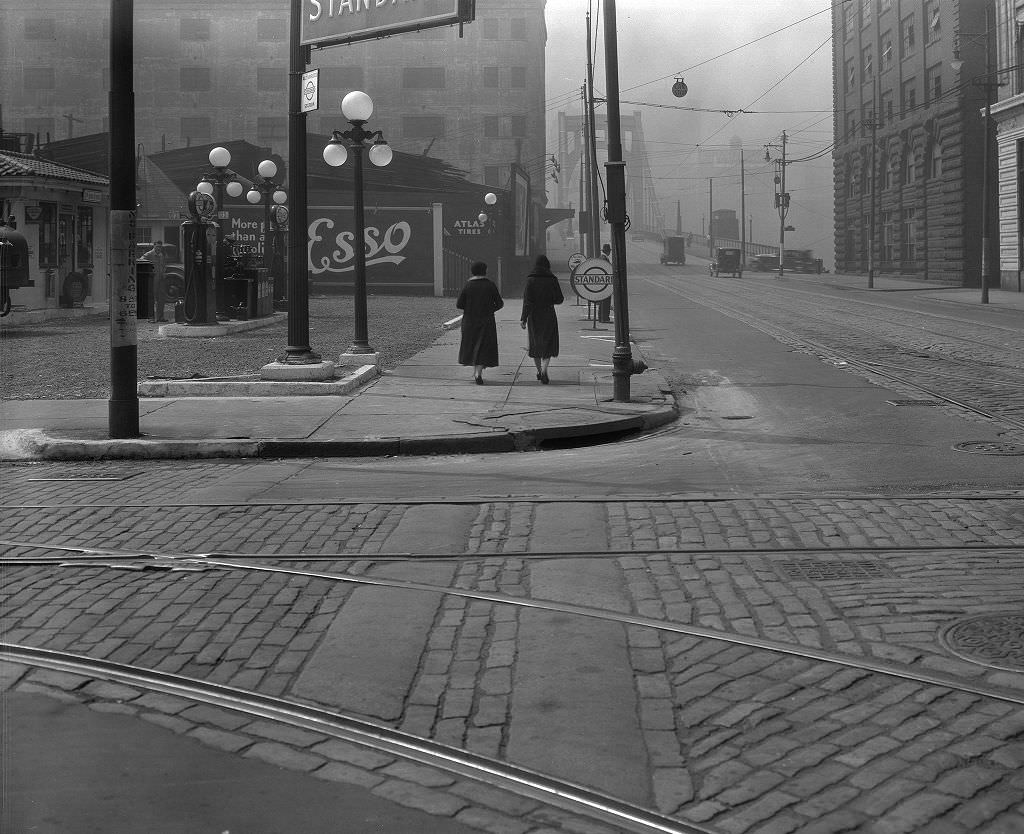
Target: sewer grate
x=913 y=402
x=990 y=447
x=995 y=640
x=817 y=570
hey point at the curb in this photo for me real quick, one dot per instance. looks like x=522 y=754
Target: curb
x=257 y=388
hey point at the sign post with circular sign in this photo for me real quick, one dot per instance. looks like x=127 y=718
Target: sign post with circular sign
x=592 y=281
x=575 y=259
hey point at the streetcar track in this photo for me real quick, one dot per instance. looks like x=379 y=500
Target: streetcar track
x=804 y=652
x=521 y=781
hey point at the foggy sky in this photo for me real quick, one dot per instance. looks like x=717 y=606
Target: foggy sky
x=660 y=39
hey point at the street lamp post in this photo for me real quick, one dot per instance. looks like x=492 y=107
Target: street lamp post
x=265 y=189
x=216 y=183
x=357 y=107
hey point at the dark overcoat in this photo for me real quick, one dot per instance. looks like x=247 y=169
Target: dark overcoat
x=478 y=301
x=540 y=296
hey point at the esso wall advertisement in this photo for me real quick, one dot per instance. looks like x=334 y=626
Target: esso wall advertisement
x=398 y=243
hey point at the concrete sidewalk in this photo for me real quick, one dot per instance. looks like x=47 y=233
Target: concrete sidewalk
x=427 y=405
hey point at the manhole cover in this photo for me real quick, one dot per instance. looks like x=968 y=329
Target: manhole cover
x=995 y=640
x=816 y=570
x=913 y=402
x=990 y=447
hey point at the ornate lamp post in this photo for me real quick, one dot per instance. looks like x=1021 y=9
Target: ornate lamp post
x=215 y=183
x=357 y=107
x=266 y=189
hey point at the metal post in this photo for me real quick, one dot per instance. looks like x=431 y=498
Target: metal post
x=595 y=223
x=361 y=343
x=622 y=356
x=298 y=351
x=711 y=217
x=985 y=212
x=782 y=208
x=123 y=405
x=743 y=212
x=874 y=189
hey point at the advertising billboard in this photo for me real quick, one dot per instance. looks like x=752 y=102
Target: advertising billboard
x=333 y=22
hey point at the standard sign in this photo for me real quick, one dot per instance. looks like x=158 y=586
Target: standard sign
x=310 y=91
x=333 y=22
x=592 y=280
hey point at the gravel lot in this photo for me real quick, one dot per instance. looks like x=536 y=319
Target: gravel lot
x=70 y=358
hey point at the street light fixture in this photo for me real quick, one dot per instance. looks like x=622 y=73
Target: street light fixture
x=216 y=183
x=357 y=107
x=265 y=189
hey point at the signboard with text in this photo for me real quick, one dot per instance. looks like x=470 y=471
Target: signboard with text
x=333 y=22
x=399 y=246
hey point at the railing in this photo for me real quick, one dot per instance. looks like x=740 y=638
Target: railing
x=701 y=242
x=456 y=267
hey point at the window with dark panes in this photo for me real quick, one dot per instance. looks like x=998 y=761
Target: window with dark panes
x=909 y=95
x=271 y=29
x=518 y=76
x=518 y=32
x=932 y=21
x=83 y=234
x=847 y=21
x=867 y=63
x=422 y=127
x=909 y=167
x=195 y=29
x=40 y=29
x=910 y=234
x=195 y=79
x=907 y=36
x=886 y=108
x=517 y=125
x=196 y=128
x=423 y=78
x=39 y=78
x=933 y=89
x=492 y=127
x=336 y=79
x=271 y=79
x=490 y=76
x=851 y=75
x=48 y=235
x=887 y=51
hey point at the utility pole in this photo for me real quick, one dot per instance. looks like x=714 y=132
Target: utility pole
x=123 y=405
x=743 y=212
x=679 y=217
x=595 y=220
x=781 y=198
x=711 y=218
x=985 y=209
x=586 y=246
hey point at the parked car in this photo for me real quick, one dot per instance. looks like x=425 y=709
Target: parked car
x=174 y=269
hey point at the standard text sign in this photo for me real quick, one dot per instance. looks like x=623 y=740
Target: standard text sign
x=332 y=22
x=592 y=280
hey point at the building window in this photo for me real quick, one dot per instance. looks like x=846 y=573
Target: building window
x=422 y=127
x=910 y=234
x=933 y=90
x=936 y=161
x=867 y=63
x=887 y=50
x=518 y=77
x=490 y=30
x=195 y=29
x=888 y=237
x=847 y=21
x=886 y=108
x=851 y=75
x=490 y=76
x=271 y=29
x=891 y=172
x=851 y=126
x=909 y=167
x=907 y=36
x=40 y=29
x=195 y=79
x=518 y=32
x=492 y=127
x=341 y=78
x=865 y=12
x=83 y=237
x=517 y=125
x=39 y=78
x=908 y=96
x=932 y=20
x=196 y=129
x=48 y=254
x=423 y=78
x=492 y=175
x=272 y=130
x=271 y=79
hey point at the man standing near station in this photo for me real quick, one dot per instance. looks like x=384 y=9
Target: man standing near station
x=158 y=258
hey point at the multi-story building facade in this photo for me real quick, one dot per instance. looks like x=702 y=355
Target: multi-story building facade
x=1008 y=116
x=909 y=138
x=215 y=72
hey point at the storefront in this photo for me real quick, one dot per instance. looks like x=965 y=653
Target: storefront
x=62 y=211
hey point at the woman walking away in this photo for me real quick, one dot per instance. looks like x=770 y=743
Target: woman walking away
x=540 y=296
x=479 y=300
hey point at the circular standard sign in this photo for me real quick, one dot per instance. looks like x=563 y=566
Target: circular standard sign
x=575 y=260
x=592 y=280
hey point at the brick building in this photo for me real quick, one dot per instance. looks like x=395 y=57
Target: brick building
x=1008 y=116
x=908 y=162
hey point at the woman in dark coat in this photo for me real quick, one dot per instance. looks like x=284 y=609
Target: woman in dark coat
x=540 y=296
x=479 y=300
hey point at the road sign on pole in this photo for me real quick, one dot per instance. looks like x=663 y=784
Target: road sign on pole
x=592 y=280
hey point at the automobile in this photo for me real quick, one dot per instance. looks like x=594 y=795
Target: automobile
x=799 y=260
x=674 y=251
x=764 y=263
x=174 y=269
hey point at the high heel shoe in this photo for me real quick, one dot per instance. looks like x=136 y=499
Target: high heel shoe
x=544 y=378
x=479 y=380
x=540 y=376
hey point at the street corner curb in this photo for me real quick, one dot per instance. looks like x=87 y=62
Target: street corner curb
x=34 y=444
